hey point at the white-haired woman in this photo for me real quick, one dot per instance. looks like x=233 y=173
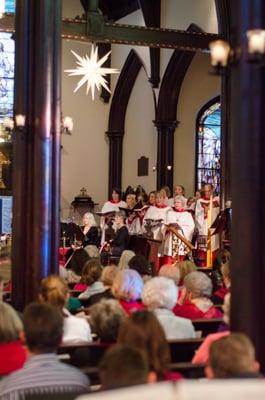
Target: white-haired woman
x=195 y=299
x=180 y=220
x=127 y=288
x=90 y=230
x=160 y=296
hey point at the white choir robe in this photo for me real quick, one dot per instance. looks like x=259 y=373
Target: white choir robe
x=201 y=220
x=156 y=213
x=108 y=207
x=185 y=221
x=134 y=227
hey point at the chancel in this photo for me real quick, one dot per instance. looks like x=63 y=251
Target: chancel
x=164 y=162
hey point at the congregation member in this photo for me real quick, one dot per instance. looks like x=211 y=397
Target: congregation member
x=106 y=318
x=206 y=210
x=12 y=352
x=194 y=302
x=185 y=267
x=143 y=331
x=124 y=366
x=202 y=354
x=107 y=278
x=43 y=373
x=160 y=296
x=171 y=272
x=92 y=277
x=127 y=288
x=180 y=220
x=140 y=264
x=125 y=258
x=54 y=291
x=219 y=295
x=233 y=357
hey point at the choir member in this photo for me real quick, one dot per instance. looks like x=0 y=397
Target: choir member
x=111 y=206
x=152 y=198
x=203 y=222
x=182 y=221
x=157 y=213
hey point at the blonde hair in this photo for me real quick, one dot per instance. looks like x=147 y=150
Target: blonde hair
x=126 y=256
x=10 y=323
x=128 y=285
x=170 y=272
x=185 y=267
x=131 y=197
x=54 y=291
x=108 y=275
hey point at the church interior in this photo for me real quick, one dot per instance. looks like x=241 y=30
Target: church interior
x=131 y=198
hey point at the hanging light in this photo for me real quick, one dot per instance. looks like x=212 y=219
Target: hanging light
x=219 y=53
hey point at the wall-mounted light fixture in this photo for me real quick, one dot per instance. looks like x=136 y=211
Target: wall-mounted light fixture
x=222 y=54
x=20 y=120
x=68 y=125
x=169 y=167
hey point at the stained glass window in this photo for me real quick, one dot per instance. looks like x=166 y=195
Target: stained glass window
x=10 y=6
x=7 y=56
x=209 y=146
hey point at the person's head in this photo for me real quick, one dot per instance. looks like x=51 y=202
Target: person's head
x=116 y=195
x=225 y=271
x=160 y=292
x=143 y=331
x=179 y=190
x=106 y=318
x=207 y=190
x=152 y=198
x=179 y=202
x=127 y=285
x=171 y=272
x=231 y=356
x=54 y=291
x=160 y=198
x=89 y=219
x=43 y=328
x=92 y=251
x=130 y=200
x=140 y=264
x=119 y=218
x=126 y=256
x=185 y=267
x=10 y=324
x=167 y=191
x=123 y=365
x=108 y=275
x=92 y=271
x=198 y=285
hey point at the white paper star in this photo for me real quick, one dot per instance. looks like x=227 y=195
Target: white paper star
x=90 y=68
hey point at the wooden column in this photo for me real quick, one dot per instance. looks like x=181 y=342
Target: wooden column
x=165 y=152
x=36 y=178
x=115 y=159
x=248 y=179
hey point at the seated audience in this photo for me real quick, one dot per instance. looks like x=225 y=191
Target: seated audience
x=107 y=278
x=76 y=259
x=126 y=256
x=12 y=353
x=195 y=302
x=106 y=318
x=127 y=288
x=160 y=296
x=92 y=251
x=143 y=331
x=202 y=354
x=43 y=373
x=54 y=291
x=232 y=356
x=170 y=272
x=122 y=366
x=91 y=275
x=140 y=264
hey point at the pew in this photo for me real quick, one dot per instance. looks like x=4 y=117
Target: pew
x=207 y=326
x=183 y=350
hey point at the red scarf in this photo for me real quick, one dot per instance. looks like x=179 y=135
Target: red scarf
x=160 y=205
x=114 y=202
x=181 y=210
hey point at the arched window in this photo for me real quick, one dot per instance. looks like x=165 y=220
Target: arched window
x=208 y=145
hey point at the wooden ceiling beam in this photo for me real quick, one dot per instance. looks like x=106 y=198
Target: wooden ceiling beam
x=77 y=29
